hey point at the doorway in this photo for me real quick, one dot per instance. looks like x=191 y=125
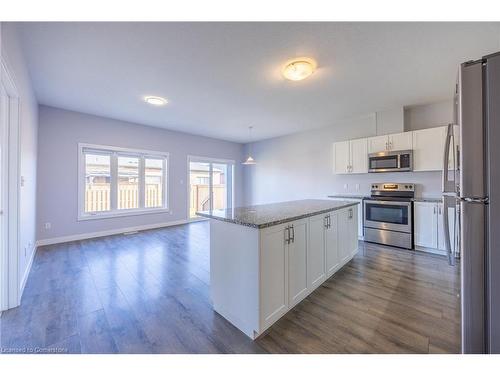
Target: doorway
x=210 y=185
x=9 y=191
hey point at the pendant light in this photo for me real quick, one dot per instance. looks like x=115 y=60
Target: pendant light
x=249 y=160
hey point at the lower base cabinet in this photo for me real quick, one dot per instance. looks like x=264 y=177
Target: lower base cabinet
x=429 y=226
x=297 y=257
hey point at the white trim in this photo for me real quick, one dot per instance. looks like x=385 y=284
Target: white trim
x=28 y=269
x=9 y=261
x=202 y=159
x=115 y=152
x=84 y=236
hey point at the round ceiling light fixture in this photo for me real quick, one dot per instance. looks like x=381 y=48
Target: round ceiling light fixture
x=155 y=100
x=299 y=68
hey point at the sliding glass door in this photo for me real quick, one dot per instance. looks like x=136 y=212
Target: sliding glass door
x=210 y=185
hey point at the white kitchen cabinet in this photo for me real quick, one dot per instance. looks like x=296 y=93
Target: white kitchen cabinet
x=378 y=144
x=297 y=262
x=425 y=225
x=359 y=209
x=332 y=246
x=274 y=274
x=316 y=270
x=359 y=156
x=390 y=142
x=429 y=226
x=347 y=227
x=342 y=157
x=428 y=149
x=451 y=227
x=274 y=267
x=350 y=156
x=400 y=141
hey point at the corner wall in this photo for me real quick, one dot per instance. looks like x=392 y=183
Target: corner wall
x=13 y=56
x=59 y=134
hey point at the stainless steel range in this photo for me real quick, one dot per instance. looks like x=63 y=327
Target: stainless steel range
x=388 y=214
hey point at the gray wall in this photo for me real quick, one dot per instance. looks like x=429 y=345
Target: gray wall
x=59 y=134
x=13 y=56
x=300 y=165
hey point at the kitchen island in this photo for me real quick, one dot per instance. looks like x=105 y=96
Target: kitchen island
x=265 y=259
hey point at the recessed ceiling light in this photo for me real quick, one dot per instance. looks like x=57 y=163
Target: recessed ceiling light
x=155 y=100
x=299 y=68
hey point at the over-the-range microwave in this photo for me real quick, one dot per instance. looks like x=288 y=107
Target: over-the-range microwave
x=390 y=161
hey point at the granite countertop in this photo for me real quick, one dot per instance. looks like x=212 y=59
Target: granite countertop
x=266 y=215
x=347 y=196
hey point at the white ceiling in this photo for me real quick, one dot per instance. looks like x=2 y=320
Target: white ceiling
x=222 y=77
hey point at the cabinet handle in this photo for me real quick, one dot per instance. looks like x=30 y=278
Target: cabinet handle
x=287 y=235
x=350 y=213
x=386 y=145
x=439 y=208
x=325 y=222
x=293 y=234
x=329 y=221
x=434 y=210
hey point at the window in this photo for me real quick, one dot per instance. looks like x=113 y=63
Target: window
x=117 y=181
x=210 y=185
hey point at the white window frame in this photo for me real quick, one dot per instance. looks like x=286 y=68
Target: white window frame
x=114 y=153
x=203 y=159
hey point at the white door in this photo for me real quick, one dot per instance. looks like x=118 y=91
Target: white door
x=316 y=251
x=210 y=185
x=428 y=148
x=378 y=144
x=359 y=156
x=274 y=271
x=400 y=141
x=297 y=262
x=341 y=155
x=426 y=215
x=331 y=246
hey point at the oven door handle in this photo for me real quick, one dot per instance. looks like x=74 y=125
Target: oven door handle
x=389 y=203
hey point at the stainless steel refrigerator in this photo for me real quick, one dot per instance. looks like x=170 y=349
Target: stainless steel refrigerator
x=472 y=185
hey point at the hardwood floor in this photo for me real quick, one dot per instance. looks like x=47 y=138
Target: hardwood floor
x=149 y=293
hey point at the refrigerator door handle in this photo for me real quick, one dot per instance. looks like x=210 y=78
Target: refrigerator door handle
x=446 y=229
x=448 y=186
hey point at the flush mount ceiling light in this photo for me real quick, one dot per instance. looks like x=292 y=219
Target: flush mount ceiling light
x=155 y=100
x=249 y=160
x=299 y=68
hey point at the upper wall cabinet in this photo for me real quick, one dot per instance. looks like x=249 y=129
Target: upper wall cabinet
x=350 y=156
x=391 y=142
x=428 y=149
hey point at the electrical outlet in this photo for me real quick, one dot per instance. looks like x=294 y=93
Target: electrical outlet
x=48 y=225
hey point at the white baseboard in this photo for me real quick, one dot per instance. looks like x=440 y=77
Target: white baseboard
x=27 y=271
x=84 y=236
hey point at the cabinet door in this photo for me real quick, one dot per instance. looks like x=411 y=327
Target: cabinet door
x=352 y=215
x=359 y=156
x=316 y=251
x=297 y=262
x=400 y=141
x=428 y=148
x=378 y=144
x=341 y=157
x=343 y=235
x=274 y=271
x=451 y=224
x=426 y=224
x=332 y=246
